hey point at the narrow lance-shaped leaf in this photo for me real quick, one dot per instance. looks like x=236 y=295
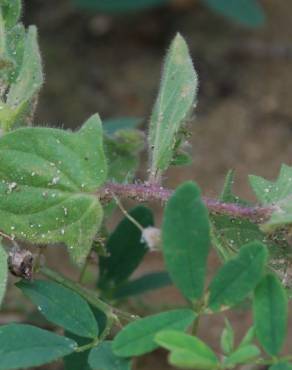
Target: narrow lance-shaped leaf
x=186 y=240
x=270 y=314
x=62 y=306
x=175 y=101
x=26 y=346
x=47 y=182
x=3 y=272
x=137 y=338
x=238 y=277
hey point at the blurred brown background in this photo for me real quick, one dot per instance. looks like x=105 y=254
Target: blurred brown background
x=111 y=65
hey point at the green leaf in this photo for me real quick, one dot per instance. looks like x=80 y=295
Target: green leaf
x=145 y=283
x=11 y=12
x=186 y=240
x=238 y=277
x=103 y=358
x=176 y=342
x=245 y=12
x=242 y=355
x=125 y=247
x=47 y=182
x=281 y=366
x=111 y=126
x=3 y=272
x=269 y=192
x=77 y=360
x=248 y=338
x=137 y=338
x=62 y=307
x=270 y=312
x=278 y=194
x=175 y=101
x=15 y=49
x=25 y=346
x=227 y=338
x=122 y=151
x=190 y=360
x=23 y=93
x=113 y=6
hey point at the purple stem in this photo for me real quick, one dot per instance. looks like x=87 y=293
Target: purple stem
x=150 y=192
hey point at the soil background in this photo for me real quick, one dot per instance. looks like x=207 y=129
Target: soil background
x=111 y=65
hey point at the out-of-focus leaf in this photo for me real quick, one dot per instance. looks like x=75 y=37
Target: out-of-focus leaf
x=103 y=358
x=125 y=248
x=246 y=12
x=145 y=283
x=114 y=6
x=111 y=126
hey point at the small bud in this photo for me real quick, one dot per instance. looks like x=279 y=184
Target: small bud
x=152 y=237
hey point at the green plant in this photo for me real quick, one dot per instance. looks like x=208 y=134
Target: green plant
x=59 y=186
x=245 y=12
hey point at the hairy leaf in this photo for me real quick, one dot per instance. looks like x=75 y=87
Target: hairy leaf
x=238 y=277
x=47 y=182
x=3 y=272
x=175 y=101
x=270 y=314
x=278 y=194
x=26 y=346
x=11 y=12
x=137 y=338
x=61 y=306
x=186 y=240
x=23 y=92
x=103 y=358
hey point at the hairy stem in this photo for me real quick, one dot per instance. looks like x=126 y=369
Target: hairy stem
x=151 y=192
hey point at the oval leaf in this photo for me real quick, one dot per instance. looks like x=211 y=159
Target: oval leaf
x=238 y=277
x=242 y=355
x=281 y=366
x=175 y=101
x=137 y=338
x=270 y=314
x=62 y=306
x=47 y=183
x=186 y=240
x=26 y=346
x=103 y=358
x=177 y=341
x=191 y=360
